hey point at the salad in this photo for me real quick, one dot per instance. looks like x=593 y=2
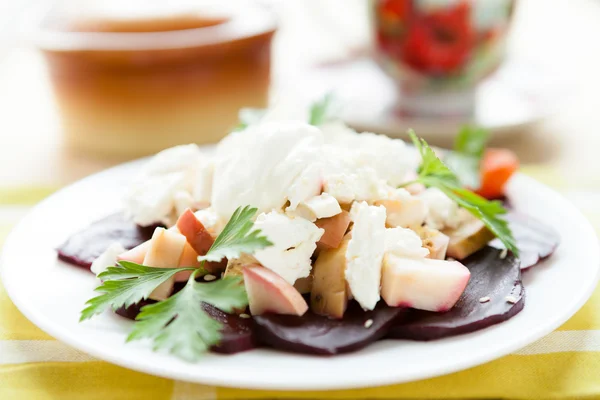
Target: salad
x=300 y=234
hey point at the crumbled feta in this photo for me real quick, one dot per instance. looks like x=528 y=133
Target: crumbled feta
x=265 y=165
x=294 y=241
x=390 y=158
x=365 y=253
x=172 y=180
x=404 y=242
x=442 y=212
x=182 y=200
x=362 y=184
x=211 y=221
x=203 y=180
x=108 y=258
x=305 y=186
x=322 y=206
x=151 y=199
x=174 y=159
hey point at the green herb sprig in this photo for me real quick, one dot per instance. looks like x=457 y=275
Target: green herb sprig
x=178 y=324
x=434 y=173
x=465 y=159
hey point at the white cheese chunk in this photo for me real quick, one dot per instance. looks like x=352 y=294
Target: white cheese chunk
x=404 y=242
x=262 y=164
x=322 y=206
x=174 y=179
x=442 y=212
x=152 y=199
x=294 y=241
x=108 y=258
x=211 y=220
x=365 y=253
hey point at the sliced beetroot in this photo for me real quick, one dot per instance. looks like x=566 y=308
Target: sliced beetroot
x=491 y=276
x=238 y=332
x=316 y=334
x=535 y=240
x=82 y=248
x=133 y=310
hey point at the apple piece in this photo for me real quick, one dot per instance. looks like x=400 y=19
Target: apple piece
x=329 y=294
x=335 y=228
x=199 y=238
x=269 y=292
x=434 y=241
x=165 y=251
x=467 y=238
x=424 y=284
x=135 y=255
x=304 y=285
x=235 y=266
x=195 y=232
x=405 y=213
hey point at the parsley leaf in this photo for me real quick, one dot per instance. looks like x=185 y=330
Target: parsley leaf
x=237 y=237
x=321 y=111
x=180 y=326
x=126 y=284
x=434 y=173
x=469 y=147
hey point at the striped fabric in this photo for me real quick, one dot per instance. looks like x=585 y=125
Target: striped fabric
x=564 y=364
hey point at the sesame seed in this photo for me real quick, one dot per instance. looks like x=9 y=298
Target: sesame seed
x=368 y=323
x=244 y=316
x=209 y=277
x=503 y=254
x=484 y=299
x=511 y=299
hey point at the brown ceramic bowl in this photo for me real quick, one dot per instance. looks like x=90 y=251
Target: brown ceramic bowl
x=127 y=89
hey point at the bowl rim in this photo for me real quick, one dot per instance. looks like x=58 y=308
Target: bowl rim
x=248 y=20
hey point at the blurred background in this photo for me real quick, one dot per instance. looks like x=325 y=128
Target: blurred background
x=85 y=85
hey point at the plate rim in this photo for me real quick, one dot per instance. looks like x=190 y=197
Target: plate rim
x=81 y=344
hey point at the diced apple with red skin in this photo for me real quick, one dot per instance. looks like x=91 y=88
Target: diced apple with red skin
x=195 y=232
x=165 y=251
x=269 y=292
x=424 y=284
x=335 y=228
x=199 y=238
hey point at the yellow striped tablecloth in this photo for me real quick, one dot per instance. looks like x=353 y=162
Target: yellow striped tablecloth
x=564 y=364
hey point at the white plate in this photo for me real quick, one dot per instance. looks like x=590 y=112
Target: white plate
x=51 y=294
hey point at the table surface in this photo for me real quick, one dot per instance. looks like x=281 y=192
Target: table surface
x=562 y=35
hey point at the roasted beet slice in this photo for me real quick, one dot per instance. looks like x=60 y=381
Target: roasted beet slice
x=133 y=310
x=238 y=332
x=491 y=276
x=535 y=240
x=85 y=246
x=316 y=334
